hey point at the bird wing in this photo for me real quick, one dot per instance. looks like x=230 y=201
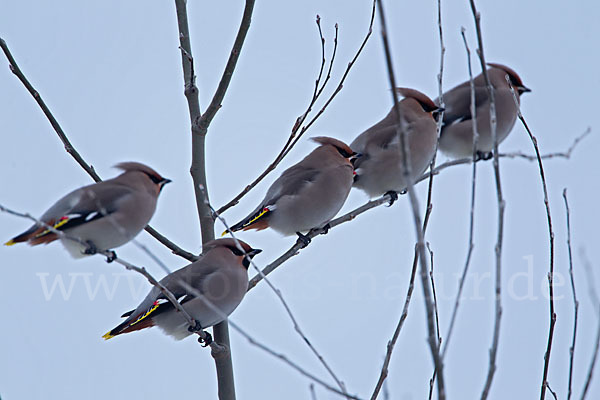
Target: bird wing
x=81 y=206
x=458 y=103
x=157 y=303
x=290 y=183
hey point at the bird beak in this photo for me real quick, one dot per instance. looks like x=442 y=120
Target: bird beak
x=162 y=183
x=355 y=157
x=254 y=252
x=523 y=89
x=437 y=112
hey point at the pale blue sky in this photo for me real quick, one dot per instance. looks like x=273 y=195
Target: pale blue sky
x=111 y=73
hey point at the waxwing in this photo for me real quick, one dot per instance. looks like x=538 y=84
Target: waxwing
x=209 y=289
x=103 y=215
x=456 y=137
x=380 y=168
x=308 y=194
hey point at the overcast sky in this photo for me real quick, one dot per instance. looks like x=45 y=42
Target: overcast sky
x=111 y=73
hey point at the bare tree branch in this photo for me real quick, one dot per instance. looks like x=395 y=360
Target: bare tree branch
x=437 y=320
x=575 y=302
x=501 y=206
x=471 y=244
x=313 y=394
x=596 y=304
x=551 y=236
x=299 y=129
x=14 y=67
x=199 y=129
x=552 y=392
x=402 y=131
x=562 y=154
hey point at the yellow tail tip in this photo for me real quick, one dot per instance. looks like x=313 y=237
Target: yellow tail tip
x=10 y=243
x=107 y=336
x=222 y=234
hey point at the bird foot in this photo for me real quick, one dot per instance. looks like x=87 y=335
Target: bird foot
x=325 y=229
x=393 y=197
x=480 y=155
x=90 y=249
x=303 y=239
x=112 y=256
x=195 y=328
x=204 y=341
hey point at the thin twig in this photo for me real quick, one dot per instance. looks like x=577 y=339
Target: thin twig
x=318 y=80
x=313 y=394
x=194 y=292
x=440 y=123
x=574 y=293
x=279 y=295
x=501 y=205
x=402 y=131
x=471 y=244
x=392 y=342
x=562 y=154
x=437 y=320
x=236 y=50
x=299 y=129
x=551 y=391
x=14 y=67
x=312 y=234
x=551 y=236
x=596 y=304
x=335 y=44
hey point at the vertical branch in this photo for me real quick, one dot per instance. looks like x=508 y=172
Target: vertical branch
x=199 y=129
x=550 y=233
x=471 y=245
x=501 y=205
x=575 y=302
x=437 y=321
x=596 y=304
x=401 y=131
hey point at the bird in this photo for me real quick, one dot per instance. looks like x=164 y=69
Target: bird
x=101 y=216
x=456 y=136
x=307 y=195
x=209 y=289
x=380 y=168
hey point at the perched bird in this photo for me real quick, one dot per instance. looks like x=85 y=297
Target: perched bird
x=380 y=168
x=456 y=137
x=102 y=215
x=209 y=289
x=306 y=195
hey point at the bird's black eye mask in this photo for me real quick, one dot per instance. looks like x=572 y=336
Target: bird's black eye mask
x=344 y=153
x=236 y=251
x=158 y=180
x=155 y=178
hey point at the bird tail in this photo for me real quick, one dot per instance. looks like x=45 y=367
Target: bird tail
x=257 y=220
x=133 y=323
x=35 y=235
